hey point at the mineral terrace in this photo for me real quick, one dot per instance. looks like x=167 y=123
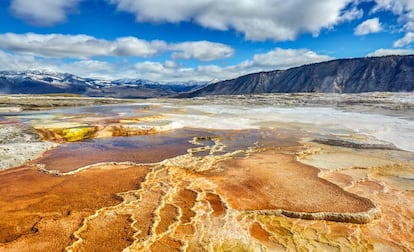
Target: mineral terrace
x=238 y=173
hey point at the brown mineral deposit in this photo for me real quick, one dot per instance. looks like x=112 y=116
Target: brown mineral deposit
x=40 y=212
x=271 y=180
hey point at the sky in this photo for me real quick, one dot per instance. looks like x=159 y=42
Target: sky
x=196 y=40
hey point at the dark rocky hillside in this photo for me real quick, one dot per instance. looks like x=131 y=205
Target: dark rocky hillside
x=371 y=74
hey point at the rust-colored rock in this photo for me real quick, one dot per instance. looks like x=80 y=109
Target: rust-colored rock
x=40 y=212
x=272 y=181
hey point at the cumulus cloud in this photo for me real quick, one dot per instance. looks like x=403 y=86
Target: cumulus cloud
x=131 y=46
x=149 y=66
x=404 y=9
x=84 y=68
x=77 y=46
x=406 y=40
x=203 y=50
x=9 y=61
x=84 y=46
x=385 y=52
x=43 y=12
x=54 y=45
x=256 y=19
x=368 y=26
x=285 y=58
x=87 y=68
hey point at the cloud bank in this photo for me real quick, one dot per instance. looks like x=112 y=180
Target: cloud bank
x=257 y=19
x=84 y=46
x=395 y=51
x=169 y=70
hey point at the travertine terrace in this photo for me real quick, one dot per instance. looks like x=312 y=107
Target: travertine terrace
x=251 y=173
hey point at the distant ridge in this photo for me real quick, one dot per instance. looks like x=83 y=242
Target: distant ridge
x=46 y=82
x=357 y=75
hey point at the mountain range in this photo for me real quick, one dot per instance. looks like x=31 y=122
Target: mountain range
x=47 y=82
x=369 y=74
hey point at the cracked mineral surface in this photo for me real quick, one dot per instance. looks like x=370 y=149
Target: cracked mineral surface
x=237 y=173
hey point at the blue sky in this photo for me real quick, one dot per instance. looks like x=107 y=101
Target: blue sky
x=181 y=40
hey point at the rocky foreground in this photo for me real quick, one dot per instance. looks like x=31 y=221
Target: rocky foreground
x=166 y=175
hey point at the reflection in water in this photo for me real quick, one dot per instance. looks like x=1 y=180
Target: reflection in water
x=136 y=149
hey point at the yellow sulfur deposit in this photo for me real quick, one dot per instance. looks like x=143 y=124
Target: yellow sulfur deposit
x=67 y=134
x=78 y=134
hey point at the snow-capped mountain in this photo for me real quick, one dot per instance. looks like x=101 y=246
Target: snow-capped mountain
x=51 y=78
x=40 y=82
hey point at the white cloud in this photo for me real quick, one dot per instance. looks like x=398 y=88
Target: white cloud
x=10 y=61
x=87 y=68
x=54 y=45
x=352 y=14
x=84 y=46
x=203 y=50
x=256 y=19
x=43 y=12
x=170 y=64
x=276 y=59
x=131 y=46
x=151 y=67
x=285 y=58
x=406 y=40
x=368 y=26
x=385 y=52
x=77 y=46
x=84 y=68
x=168 y=71
x=404 y=9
